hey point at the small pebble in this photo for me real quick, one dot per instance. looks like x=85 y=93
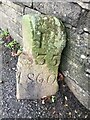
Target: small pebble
x=29 y=117
x=66 y=98
x=39 y=113
x=85 y=29
x=43 y=102
x=1 y=81
x=65 y=15
x=60 y=114
x=70 y=113
x=83 y=10
x=86 y=116
x=78 y=37
x=13 y=111
x=74 y=28
x=84 y=95
x=83 y=56
x=79 y=115
x=13 y=68
x=75 y=111
x=54 y=112
x=53 y=99
x=54 y=12
x=66 y=105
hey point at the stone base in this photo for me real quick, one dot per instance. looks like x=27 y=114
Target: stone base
x=34 y=81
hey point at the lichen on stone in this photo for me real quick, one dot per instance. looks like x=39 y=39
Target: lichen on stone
x=43 y=41
x=46 y=39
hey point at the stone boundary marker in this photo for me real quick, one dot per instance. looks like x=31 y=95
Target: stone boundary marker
x=44 y=38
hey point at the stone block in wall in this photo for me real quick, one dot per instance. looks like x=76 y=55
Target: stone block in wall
x=68 y=12
x=28 y=11
x=15 y=27
x=83 y=22
x=16 y=7
x=74 y=58
x=76 y=42
x=84 y=5
x=27 y=3
x=88 y=21
x=76 y=71
x=71 y=46
x=44 y=38
x=4 y=20
x=16 y=36
x=10 y=12
x=82 y=95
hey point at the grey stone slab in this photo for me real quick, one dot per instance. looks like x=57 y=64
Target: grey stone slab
x=77 y=72
x=68 y=12
x=79 y=92
x=29 y=11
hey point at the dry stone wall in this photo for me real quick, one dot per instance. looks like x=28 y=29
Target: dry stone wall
x=75 y=14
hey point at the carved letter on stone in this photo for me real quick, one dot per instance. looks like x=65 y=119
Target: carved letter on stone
x=43 y=41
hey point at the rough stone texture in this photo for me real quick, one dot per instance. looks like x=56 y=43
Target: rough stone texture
x=68 y=12
x=76 y=17
x=44 y=38
x=75 y=59
x=10 y=14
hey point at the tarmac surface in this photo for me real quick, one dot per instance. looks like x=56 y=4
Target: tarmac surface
x=65 y=106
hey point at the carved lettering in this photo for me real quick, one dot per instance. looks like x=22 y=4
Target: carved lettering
x=30 y=76
x=40 y=59
x=39 y=78
x=51 y=79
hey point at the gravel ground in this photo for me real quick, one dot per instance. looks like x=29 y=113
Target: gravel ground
x=65 y=106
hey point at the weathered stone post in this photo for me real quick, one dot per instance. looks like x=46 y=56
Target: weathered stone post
x=43 y=41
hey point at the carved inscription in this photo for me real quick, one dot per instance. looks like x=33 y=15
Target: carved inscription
x=39 y=78
x=30 y=76
x=45 y=51
x=51 y=79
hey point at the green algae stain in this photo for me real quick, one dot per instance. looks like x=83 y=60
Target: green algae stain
x=45 y=36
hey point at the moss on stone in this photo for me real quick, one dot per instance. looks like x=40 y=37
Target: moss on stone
x=45 y=37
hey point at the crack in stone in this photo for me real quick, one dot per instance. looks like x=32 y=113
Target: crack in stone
x=82 y=14
x=86 y=32
x=81 y=5
x=24 y=10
